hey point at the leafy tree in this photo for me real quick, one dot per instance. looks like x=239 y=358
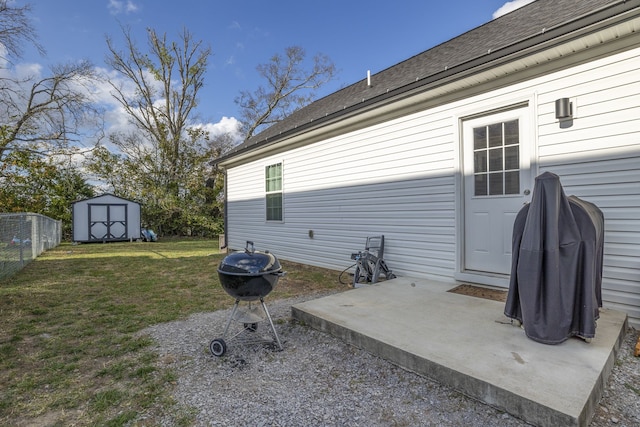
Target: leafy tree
x=46 y=185
x=289 y=87
x=165 y=160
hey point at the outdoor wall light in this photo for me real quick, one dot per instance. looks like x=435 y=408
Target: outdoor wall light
x=564 y=109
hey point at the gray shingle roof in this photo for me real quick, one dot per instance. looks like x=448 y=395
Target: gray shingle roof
x=492 y=38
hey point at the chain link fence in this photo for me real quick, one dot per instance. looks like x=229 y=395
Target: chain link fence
x=23 y=237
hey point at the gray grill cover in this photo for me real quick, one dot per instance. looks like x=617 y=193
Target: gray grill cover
x=556 y=269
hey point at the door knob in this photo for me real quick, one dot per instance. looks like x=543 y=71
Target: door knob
x=527 y=192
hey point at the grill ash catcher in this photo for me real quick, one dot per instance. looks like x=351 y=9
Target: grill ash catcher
x=249 y=276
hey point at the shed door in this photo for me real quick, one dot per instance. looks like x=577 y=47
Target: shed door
x=107 y=222
x=497 y=180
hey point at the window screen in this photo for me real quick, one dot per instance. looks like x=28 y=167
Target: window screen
x=273 y=189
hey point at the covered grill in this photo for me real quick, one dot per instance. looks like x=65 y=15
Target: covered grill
x=248 y=275
x=556 y=271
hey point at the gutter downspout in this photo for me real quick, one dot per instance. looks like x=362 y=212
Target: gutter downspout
x=224 y=210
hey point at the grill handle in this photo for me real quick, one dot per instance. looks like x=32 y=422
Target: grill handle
x=246 y=248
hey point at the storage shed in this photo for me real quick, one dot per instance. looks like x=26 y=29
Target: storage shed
x=106 y=218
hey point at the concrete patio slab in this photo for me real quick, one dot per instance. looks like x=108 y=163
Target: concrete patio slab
x=468 y=344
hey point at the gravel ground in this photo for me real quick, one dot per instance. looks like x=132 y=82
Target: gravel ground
x=318 y=380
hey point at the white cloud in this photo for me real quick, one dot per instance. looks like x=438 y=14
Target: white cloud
x=131 y=7
x=116 y=119
x=4 y=63
x=226 y=125
x=510 y=6
x=21 y=71
x=117 y=7
x=26 y=71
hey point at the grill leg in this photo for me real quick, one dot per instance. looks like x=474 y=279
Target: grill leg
x=264 y=306
x=233 y=314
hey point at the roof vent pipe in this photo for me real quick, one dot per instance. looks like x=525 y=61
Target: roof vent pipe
x=369 y=78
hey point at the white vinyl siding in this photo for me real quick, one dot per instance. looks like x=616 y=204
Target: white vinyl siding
x=349 y=187
x=598 y=159
x=400 y=178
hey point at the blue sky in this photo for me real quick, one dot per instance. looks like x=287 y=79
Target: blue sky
x=356 y=35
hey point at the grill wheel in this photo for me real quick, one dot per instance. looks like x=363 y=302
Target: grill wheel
x=218 y=347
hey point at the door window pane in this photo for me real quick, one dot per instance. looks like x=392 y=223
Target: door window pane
x=512 y=182
x=496 y=159
x=479 y=138
x=496 y=184
x=480 y=184
x=511 y=133
x=480 y=161
x=495 y=135
x=512 y=158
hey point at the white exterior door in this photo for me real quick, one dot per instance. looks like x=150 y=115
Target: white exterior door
x=497 y=183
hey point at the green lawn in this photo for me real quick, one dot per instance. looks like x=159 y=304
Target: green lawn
x=69 y=353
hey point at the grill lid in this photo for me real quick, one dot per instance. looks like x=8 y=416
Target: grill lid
x=249 y=262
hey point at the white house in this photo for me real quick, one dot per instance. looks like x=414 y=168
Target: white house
x=440 y=151
x=106 y=218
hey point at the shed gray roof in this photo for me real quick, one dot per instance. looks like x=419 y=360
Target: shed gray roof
x=104 y=195
x=528 y=25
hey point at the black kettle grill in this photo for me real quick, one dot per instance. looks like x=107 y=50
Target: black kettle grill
x=248 y=275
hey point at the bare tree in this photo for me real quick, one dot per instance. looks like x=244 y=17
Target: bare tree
x=289 y=87
x=37 y=113
x=16 y=29
x=166 y=158
x=165 y=88
x=44 y=115
x=41 y=119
